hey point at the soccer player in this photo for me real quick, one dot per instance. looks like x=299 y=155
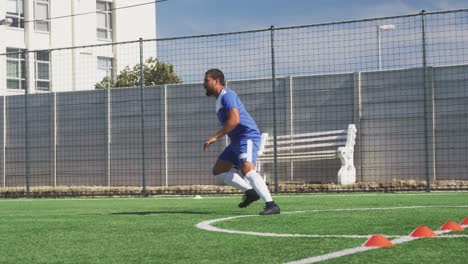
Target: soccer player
x=242 y=153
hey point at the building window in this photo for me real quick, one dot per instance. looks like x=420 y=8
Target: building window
x=16 y=13
x=104 y=68
x=16 y=69
x=104 y=20
x=41 y=15
x=43 y=70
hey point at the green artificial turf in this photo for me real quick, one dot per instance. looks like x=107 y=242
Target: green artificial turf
x=162 y=229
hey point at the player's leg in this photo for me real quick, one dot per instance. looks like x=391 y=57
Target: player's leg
x=222 y=169
x=247 y=159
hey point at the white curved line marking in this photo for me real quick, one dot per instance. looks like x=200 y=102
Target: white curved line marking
x=355 y=250
x=454 y=236
x=207 y=225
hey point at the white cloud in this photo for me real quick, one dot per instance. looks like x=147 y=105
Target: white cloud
x=324 y=49
x=449 y=4
x=389 y=8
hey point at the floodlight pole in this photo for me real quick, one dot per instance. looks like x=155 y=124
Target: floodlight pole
x=273 y=84
x=379 y=41
x=142 y=98
x=379 y=47
x=26 y=121
x=426 y=128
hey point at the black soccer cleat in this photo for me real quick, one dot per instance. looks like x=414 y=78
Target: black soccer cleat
x=270 y=209
x=249 y=197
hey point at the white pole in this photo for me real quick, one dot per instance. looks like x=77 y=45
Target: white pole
x=379 y=42
x=166 y=152
x=4 y=142
x=54 y=113
x=379 y=47
x=109 y=135
x=291 y=110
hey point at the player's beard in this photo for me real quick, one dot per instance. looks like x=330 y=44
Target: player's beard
x=209 y=92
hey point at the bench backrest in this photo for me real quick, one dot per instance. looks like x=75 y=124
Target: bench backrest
x=309 y=141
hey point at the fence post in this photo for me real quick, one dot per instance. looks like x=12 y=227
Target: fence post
x=430 y=81
x=357 y=115
x=273 y=84
x=142 y=96
x=109 y=134
x=426 y=108
x=291 y=122
x=26 y=125
x=166 y=151
x=54 y=135
x=4 y=142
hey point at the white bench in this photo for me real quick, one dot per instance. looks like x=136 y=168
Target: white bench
x=313 y=146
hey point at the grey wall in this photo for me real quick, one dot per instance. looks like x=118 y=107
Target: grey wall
x=191 y=119
x=81 y=138
x=392 y=126
x=451 y=126
x=411 y=124
x=321 y=103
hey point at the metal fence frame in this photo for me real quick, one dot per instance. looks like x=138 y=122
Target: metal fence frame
x=428 y=108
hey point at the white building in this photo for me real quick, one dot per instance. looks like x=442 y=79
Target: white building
x=73 y=23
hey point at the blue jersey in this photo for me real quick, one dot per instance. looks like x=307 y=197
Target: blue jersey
x=228 y=100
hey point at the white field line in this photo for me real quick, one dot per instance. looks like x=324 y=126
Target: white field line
x=324 y=195
x=388 y=208
x=453 y=236
x=351 y=251
x=207 y=225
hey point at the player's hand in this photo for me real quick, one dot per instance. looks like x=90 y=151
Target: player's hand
x=208 y=143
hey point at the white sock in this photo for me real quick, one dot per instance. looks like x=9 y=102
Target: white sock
x=259 y=185
x=235 y=180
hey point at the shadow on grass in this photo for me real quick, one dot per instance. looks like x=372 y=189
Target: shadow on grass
x=162 y=212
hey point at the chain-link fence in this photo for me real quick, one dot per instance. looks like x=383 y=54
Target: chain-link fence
x=82 y=122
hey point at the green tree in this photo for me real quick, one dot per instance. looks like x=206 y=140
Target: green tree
x=156 y=73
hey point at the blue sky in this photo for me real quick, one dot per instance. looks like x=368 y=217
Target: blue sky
x=194 y=17
x=337 y=48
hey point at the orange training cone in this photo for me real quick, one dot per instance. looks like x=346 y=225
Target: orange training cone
x=423 y=231
x=452 y=226
x=378 y=241
x=464 y=222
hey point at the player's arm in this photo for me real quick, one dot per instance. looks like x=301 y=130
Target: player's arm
x=231 y=123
